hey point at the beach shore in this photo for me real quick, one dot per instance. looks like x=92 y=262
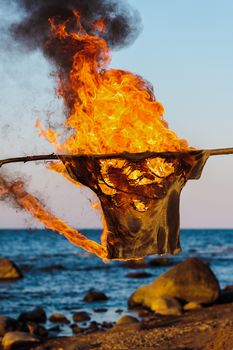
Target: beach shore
x=209 y=328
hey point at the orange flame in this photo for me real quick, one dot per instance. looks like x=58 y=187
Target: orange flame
x=111 y=110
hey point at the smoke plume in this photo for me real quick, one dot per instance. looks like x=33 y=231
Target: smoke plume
x=122 y=24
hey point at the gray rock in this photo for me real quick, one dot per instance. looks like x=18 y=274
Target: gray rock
x=191 y=280
x=7 y=324
x=11 y=340
x=9 y=270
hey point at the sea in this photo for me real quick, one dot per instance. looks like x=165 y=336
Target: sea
x=57 y=274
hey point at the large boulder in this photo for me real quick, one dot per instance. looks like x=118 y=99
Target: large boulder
x=8 y=270
x=191 y=280
x=37 y=315
x=13 y=340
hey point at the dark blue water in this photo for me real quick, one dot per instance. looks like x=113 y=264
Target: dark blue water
x=62 y=287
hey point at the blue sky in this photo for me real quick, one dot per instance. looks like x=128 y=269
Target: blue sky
x=186 y=51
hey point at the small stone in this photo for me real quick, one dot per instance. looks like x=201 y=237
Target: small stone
x=204 y=327
x=7 y=324
x=192 y=305
x=81 y=316
x=139 y=274
x=166 y=306
x=11 y=340
x=76 y=329
x=58 y=318
x=94 y=295
x=37 y=315
x=119 y=311
x=93 y=326
x=9 y=270
x=126 y=319
x=101 y=309
x=106 y=325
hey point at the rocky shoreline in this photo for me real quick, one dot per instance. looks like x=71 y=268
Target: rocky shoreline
x=183 y=309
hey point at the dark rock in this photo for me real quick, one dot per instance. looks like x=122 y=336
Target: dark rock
x=191 y=280
x=119 y=311
x=101 y=309
x=36 y=329
x=7 y=324
x=94 y=295
x=81 y=316
x=54 y=329
x=226 y=296
x=58 y=318
x=158 y=262
x=76 y=329
x=228 y=288
x=93 y=326
x=9 y=270
x=26 y=268
x=37 y=315
x=135 y=264
x=139 y=275
x=13 y=340
x=54 y=267
x=106 y=325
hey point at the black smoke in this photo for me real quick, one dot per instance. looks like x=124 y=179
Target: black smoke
x=33 y=31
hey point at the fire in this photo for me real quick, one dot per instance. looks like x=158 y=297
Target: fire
x=31 y=204
x=110 y=111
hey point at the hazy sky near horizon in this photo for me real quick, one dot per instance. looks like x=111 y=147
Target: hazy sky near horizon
x=185 y=50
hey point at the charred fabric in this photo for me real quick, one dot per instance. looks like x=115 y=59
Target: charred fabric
x=142 y=215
